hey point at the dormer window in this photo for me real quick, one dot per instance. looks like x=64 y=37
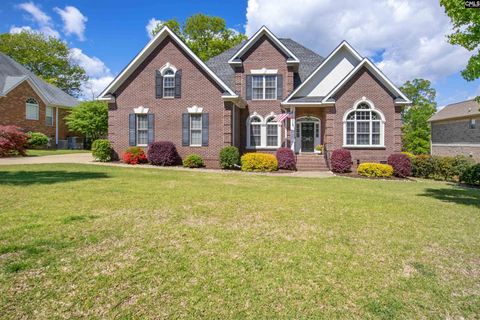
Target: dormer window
x=169 y=83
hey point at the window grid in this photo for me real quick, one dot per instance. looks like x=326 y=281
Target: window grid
x=49 y=116
x=363 y=127
x=169 y=84
x=195 y=129
x=32 y=109
x=272 y=133
x=263 y=133
x=264 y=87
x=142 y=130
x=472 y=124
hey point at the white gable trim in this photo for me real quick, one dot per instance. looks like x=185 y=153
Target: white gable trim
x=263 y=31
x=379 y=74
x=34 y=87
x=140 y=57
x=343 y=44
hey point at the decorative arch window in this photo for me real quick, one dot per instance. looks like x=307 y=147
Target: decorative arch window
x=272 y=132
x=169 y=83
x=32 y=109
x=255 y=131
x=363 y=126
x=263 y=133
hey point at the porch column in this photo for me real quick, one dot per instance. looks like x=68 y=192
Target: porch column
x=292 y=130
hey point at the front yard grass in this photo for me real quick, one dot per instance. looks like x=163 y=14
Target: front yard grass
x=52 y=152
x=86 y=241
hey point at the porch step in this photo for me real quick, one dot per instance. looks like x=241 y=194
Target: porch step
x=311 y=162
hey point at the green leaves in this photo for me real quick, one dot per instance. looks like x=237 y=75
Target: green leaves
x=89 y=118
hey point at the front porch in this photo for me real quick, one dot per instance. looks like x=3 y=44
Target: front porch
x=307 y=130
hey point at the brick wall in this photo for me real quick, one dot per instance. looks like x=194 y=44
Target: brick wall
x=456 y=131
x=197 y=89
x=454 y=150
x=13 y=112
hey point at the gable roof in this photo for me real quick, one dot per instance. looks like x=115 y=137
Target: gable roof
x=145 y=52
x=457 y=110
x=309 y=60
x=263 y=31
x=13 y=74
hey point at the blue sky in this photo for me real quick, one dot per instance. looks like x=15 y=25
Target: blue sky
x=106 y=35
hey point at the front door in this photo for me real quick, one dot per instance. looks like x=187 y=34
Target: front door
x=308 y=142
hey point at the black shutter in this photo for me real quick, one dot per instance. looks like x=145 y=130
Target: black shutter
x=185 y=129
x=204 y=129
x=279 y=87
x=132 y=129
x=151 y=128
x=158 y=85
x=248 y=93
x=178 y=84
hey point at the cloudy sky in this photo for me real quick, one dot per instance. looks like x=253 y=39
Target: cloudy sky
x=406 y=38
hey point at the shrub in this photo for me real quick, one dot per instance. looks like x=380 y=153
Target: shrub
x=286 y=159
x=443 y=167
x=471 y=175
x=341 y=160
x=423 y=166
x=259 y=162
x=461 y=164
x=163 y=153
x=410 y=155
x=134 y=155
x=12 y=141
x=193 y=161
x=402 y=166
x=229 y=157
x=37 y=140
x=375 y=170
x=102 y=150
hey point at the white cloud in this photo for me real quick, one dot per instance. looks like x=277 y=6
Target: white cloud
x=43 y=21
x=95 y=86
x=406 y=37
x=152 y=23
x=15 y=29
x=73 y=21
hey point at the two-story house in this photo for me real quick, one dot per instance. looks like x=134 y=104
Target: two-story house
x=237 y=98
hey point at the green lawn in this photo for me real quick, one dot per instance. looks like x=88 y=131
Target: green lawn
x=86 y=241
x=39 y=153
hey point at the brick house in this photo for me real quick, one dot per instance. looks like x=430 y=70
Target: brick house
x=237 y=97
x=456 y=130
x=32 y=104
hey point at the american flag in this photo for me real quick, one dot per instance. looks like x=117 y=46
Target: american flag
x=282 y=116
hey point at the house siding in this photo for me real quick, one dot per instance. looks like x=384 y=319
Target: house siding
x=197 y=89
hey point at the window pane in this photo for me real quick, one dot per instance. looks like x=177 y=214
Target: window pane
x=196 y=137
x=350 y=127
x=270 y=93
x=257 y=93
x=196 y=121
x=363 y=139
x=142 y=137
x=168 y=72
x=363 y=106
x=375 y=116
x=350 y=138
x=142 y=123
x=255 y=138
x=32 y=111
x=168 y=82
x=270 y=81
x=363 y=127
x=49 y=116
x=376 y=139
x=168 y=92
x=376 y=127
x=363 y=115
x=257 y=82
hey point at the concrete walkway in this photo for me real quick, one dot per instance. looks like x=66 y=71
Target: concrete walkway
x=86 y=158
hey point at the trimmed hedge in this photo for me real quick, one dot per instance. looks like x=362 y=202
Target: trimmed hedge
x=193 y=161
x=471 y=175
x=134 y=155
x=163 y=153
x=102 y=150
x=402 y=166
x=341 y=161
x=375 y=170
x=444 y=168
x=262 y=162
x=37 y=139
x=423 y=166
x=286 y=159
x=410 y=155
x=12 y=141
x=229 y=157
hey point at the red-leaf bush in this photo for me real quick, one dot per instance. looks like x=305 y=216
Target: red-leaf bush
x=134 y=155
x=12 y=141
x=286 y=159
x=401 y=163
x=163 y=153
x=341 y=160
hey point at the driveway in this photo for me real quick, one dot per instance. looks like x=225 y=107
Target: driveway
x=61 y=158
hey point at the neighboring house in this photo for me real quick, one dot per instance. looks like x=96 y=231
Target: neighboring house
x=456 y=130
x=32 y=104
x=168 y=93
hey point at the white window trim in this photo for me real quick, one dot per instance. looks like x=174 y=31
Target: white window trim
x=168 y=76
x=201 y=129
x=264 y=76
x=298 y=132
x=137 y=116
x=263 y=132
x=46 y=116
x=382 y=127
x=472 y=124
x=31 y=104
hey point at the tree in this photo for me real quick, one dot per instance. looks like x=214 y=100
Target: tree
x=207 y=36
x=466 y=33
x=47 y=57
x=416 y=128
x=89 y=118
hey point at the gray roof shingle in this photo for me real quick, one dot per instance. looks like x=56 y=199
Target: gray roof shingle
x=309 y=61
x=12 y=72
x=458 y=110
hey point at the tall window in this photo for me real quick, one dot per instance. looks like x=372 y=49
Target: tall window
x=472 y=124
x=32 y=109
x=169 y=83
x=49 y=116
x=264 y=87
x=142 y=130
x=363 y=127
x=195 y=129
x=263 y=134
x=255 y=131
x=272 y=132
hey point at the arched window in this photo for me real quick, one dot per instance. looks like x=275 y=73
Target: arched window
x=363 y=126
x=32 y=109
x=263 y=134
x=272 y=132
x=168 y=83
x=255 y=131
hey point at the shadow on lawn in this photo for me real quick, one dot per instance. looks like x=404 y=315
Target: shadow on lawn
x=21 y=178
x=461 y=196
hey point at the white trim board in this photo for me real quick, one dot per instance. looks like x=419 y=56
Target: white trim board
x=143 y=54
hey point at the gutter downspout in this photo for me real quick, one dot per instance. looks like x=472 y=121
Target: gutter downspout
x=56 y=127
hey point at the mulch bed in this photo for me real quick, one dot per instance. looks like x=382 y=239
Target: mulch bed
x=357 y=176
